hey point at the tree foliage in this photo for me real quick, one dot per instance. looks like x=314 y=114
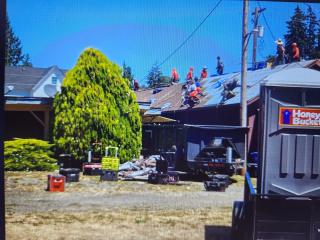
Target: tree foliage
x=302 y=28
x=28 y=155
x=96 y=105
x=154 y=76
x=296 y=31
x=127 y=74
x=13 y=48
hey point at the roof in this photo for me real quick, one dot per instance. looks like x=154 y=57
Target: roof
x=297 y=78
x=169 y=98
x=27 y=100
x=24 y=78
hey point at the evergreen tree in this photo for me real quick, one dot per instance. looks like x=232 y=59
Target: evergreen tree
x=153 y=78
x=26 y=61
x=13 y=53
x=296 y=32
x=311 y=22
x=96 y=104
x=127 y=74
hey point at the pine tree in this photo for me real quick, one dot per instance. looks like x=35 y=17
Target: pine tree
x=311 y=22
x=127 y=74
x=26 y=61
x=153 y=78
x=13 y=53
x=296 y=32
x=96 y=104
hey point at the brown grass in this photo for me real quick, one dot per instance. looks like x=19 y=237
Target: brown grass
x=122 y=224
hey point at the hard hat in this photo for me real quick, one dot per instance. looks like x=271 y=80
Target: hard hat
x=279 y=42
x=294 y=44
x=204 y=67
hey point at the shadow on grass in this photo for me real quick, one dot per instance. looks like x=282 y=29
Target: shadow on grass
x=217 y=232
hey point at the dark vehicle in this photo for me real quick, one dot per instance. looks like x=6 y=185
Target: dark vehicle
x=197 y=148
x=286 y=203
x=219 y=156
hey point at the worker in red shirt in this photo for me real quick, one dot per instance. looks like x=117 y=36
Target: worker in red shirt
x=204 y=73
x=295 y=53
x=174 y=76
x=190 y=74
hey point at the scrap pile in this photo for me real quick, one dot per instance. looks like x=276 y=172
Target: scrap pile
x=141 y=167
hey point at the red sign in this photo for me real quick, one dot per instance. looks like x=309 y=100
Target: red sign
x=299 y=117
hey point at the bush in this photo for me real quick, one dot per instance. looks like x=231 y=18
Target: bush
x=96 y=104
x=28 y=155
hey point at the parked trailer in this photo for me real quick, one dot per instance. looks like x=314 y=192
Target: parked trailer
x=197 y=148
x=286 y=203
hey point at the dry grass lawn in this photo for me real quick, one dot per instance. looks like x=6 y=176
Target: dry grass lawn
x=28 y=218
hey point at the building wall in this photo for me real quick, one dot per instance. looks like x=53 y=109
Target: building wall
x=221 y=115
x=40 y=90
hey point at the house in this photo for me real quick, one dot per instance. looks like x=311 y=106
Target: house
x=214 y=109
x=29 y=94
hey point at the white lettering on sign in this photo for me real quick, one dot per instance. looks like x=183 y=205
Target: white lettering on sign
x=299 y=117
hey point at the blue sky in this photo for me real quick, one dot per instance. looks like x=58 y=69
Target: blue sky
x=143 y=32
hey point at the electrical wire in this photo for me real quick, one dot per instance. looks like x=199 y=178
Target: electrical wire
x=265 y=20
x=190 y=35
x=187 y=39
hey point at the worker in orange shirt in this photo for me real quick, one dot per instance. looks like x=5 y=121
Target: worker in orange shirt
x=204 y=73
x=174 y=76
x=190 y=74
x=295 y=52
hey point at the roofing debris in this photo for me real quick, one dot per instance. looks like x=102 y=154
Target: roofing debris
x=141 y=167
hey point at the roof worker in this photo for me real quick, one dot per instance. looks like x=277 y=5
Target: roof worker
x=295 y=52
x=135 y=85
x=220 y=66
x=174 y=76
x=204 y=73
x=198 y=86
x=280 y=58
x=190 y=74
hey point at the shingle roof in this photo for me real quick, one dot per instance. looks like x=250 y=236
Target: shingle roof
x=23 y=78
x=170 y=97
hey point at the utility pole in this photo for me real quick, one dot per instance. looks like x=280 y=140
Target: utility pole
x=256 y=13
x=243 y=105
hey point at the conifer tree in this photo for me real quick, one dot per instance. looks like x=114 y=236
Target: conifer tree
x=96 y=105
x=13 y=52
x=153 y=78
x=127 y=73
x=311 y=22
x=296 y=32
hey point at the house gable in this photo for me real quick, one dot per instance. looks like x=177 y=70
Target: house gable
x=49 y=84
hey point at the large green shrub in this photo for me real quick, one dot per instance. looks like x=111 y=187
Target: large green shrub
x=28 y=155
x=96 y=104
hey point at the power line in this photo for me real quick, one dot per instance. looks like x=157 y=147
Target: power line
x=265 y=20
x=188 y=38
x=191 y=35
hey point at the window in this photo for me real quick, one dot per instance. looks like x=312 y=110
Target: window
x=312 y=97
x=287 y=95
x=54 y=79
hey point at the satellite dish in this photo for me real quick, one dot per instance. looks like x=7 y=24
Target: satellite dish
x=50 y=90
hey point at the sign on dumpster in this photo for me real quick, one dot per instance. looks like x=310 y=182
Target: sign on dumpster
x=299 y=117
